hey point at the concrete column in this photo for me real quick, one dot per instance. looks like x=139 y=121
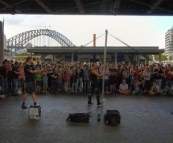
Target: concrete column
x=78 y=58
x=116 y=57
x=72 y=57
x=1 y=43
x=31 y=55
x=53 y=58
x=159 y=57
x=137 y=60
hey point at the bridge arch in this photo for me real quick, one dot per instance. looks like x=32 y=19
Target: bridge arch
x=21 y=39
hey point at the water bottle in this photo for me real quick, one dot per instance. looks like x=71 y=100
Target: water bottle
x=98 y=117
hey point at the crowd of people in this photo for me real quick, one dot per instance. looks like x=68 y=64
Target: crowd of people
x=75 y=77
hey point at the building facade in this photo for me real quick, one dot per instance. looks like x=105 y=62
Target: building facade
x=22 y=58
x=169 y=42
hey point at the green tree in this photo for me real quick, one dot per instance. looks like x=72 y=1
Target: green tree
x=170 y=58
x=163 y=57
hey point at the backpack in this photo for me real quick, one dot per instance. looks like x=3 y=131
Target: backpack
x=79 y=117
x=112 y=117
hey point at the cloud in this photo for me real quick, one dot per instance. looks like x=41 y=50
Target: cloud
x=135 y=31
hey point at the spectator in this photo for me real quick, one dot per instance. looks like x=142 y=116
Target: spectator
x=54 y=77
x=147 y=76
x=4 y=79
x=65 y=79
x=74 y=82
x=60 y=84
x=143 y=89
x=86 y=79
x=38 y=78
x=124 y=88
x=38 y=65
x=80 y=74
x=21 y=78
x=158 y=74
x=112 y=77
x=168 y=75
x=167 y=90
x=136 y=87
x=107 y=73
x=45 y=82
x=154 y=89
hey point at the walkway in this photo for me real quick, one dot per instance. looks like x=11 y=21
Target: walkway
x=144 y=120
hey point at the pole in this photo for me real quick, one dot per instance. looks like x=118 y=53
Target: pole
x=1 y=43
x=104 y=66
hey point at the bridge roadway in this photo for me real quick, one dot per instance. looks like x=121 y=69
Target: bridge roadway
x=145 y=119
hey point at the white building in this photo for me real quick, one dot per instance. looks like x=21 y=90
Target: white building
x=169 y=42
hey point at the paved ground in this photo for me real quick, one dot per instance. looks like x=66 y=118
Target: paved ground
x=144 y=120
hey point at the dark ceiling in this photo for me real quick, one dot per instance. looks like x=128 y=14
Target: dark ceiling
x=87 y=7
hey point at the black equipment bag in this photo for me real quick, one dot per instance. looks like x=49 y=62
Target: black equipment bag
x=112 y=117
x=79 y=117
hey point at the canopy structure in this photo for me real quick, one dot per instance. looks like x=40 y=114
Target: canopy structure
x=95 y=50
x=87 y=7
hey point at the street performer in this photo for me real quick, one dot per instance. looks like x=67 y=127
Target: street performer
x=30 y=81
x=94 y=85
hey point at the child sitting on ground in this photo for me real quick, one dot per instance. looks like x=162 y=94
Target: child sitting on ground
x=124 y=88
x=167 y=90
x=143 y=89
x=136 y=87
x=154 y=89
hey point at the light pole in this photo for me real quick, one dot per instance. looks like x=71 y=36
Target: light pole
x=104 y=66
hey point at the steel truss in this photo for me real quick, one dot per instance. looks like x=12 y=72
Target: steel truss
x=21 y=39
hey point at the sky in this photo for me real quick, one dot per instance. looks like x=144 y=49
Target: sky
x=133 y=30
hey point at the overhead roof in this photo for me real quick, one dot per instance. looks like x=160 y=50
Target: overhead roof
x=87 y=7
x=92 y=50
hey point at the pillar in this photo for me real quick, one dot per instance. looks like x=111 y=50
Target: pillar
x=137 y=60
x=78 y=58
x=94 y=40
x=159 y=57
x=53 y=58
x=72 y=57
x=1 y=42
x=31 y=55
x=116 y=57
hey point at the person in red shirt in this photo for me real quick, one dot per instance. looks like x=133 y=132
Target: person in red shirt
x=168 y=75
x=66 y=79
x=137 y=72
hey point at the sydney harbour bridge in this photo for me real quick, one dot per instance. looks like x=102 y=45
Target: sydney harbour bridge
x=50 y=42
x=40 y=37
